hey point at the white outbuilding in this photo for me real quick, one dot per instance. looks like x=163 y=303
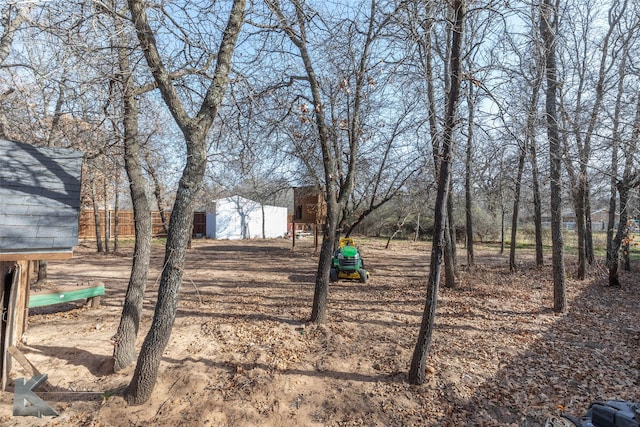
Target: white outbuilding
x=238 y=218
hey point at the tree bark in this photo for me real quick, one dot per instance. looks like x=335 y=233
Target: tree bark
x=124 y=348
x=42 y=272
x=107 y=217
x=449 y=250
x=537 y=203
x=621 y=234
x=516 y=206
x=468 y=197
x=96 y=212
x=548 y=21
x=116 y=209
x=533 y=157
x=450 y=259
x=423 y=344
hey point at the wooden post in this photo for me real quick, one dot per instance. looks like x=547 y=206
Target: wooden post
x=28 y=366
x=293 y=234
x=315 y=237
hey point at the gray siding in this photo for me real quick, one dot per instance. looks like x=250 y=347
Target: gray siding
x=39 y=198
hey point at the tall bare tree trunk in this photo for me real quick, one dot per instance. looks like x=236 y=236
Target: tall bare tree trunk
x=537 y=202
x=533 y=155
x=423 y=344
x=450 y=258
x=548 y=22
x=96 y=212
x=516 y=206
x=578 y=205
x=116 y=209
x=124 y=341
x=449 y=249
x=502 y=228
x=107 y=218
x=468 y=196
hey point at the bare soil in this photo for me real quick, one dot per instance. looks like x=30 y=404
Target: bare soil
x=242 y=353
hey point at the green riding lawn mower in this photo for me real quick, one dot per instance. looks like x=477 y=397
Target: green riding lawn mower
x=347 y=263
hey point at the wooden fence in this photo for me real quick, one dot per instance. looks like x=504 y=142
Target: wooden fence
x=87 y=228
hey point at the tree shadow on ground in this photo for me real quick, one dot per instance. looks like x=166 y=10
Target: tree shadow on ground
x=590 y=354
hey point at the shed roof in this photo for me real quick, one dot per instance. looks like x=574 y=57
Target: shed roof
x=39 y=200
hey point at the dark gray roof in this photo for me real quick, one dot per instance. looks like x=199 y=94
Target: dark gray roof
x=39 y=198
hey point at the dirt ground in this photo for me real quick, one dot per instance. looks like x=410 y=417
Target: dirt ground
x=242 y=354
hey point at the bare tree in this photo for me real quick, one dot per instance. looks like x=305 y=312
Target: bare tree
x=423 y=344
x=548 y=28
x=431 y=47
x=585 y=123
x=468 y=197
x=630 y=180
x=124 y=349
x=195 y=130
x=12 y=16
x=620 y=148
x=339 y=160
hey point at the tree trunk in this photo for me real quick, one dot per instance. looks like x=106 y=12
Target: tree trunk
x=423 y=344
x=581 y=228
x=616 y=13
x=146 y=372
x=588 y=227
x=615 y=146
x=468 y=197
x=124 y=348
x=548 y=20
x=321 y=291
x=532 y=118
x=629 y=181
x=611 y=216
x=157 y=192
x=577 y=198
x=621 y=234
x=537 y=203
x=107 y=219
x=399 y=226
x=449 y=258
x=96 y=214
x=116 y=209
x=502 y=229
x=181 y=221
x=516 y=205
x=42 y=272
